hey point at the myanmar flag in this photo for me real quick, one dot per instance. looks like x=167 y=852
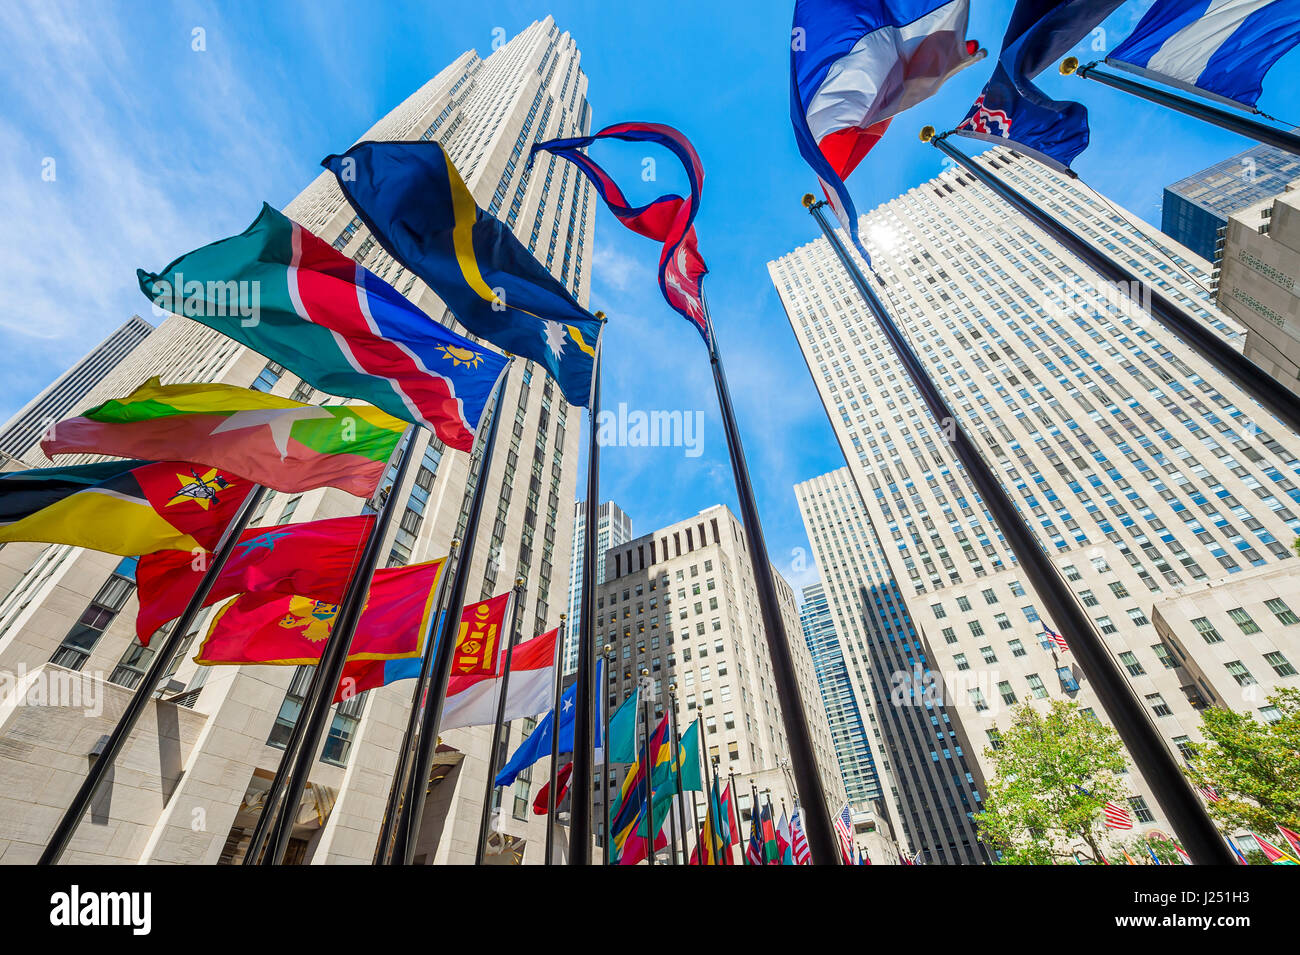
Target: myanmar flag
x=315 y=560
x=286 y=445
x=121 y=507
x=286 y=629
x=289 y=295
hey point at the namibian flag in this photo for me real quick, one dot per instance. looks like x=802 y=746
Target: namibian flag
x=286 y=445
x=418 y=208
x=292 y=297
x=121 y=507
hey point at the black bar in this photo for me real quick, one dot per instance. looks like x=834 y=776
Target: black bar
x=821 y=837
x=384 y=845
x=1224 y=119
x=1202 y=339
x=408 y=820
x=162 y=658
x=555 y=739
x=489 y=786
x=1114 y=692
x=648 y=769
x=583 y=730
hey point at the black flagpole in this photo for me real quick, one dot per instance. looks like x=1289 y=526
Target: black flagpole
x=408 y=819
x=555 y=738
x=821 y=837
x=677 y=769
x=1244 y=373
x=384 y=845
x=489 y=786
x=603 y=690
x=1114 y=692
x=735 y=804
x=695 y=817
x=673 y=751
x=1224 y=119
x=583 y=730
x=139 y=701
x=649 y=772
x=304 y=742
x=708 y=796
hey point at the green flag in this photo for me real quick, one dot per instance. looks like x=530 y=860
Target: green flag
x=688 y=759
x=622 y=730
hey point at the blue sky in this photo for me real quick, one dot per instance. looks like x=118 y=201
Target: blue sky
x=158 y=148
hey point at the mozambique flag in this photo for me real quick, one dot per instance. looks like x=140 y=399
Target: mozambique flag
x=418 y=208
x=292 y=297
x=286 y=445
x=121 y=507
x=312 y=560
x=286 y=629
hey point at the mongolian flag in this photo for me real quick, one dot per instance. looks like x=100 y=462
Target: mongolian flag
x=121 y=507
x=418 y=208
x=308 y=560
x=668 y=219
x=285 y=629
x=289 y=295
x=286 y=445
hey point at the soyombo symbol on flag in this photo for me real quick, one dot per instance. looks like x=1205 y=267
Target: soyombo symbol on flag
x=314 y=560
x=286 y=629
x=286 y=445
x=333 y=323
x=478 y=640
x=121 y=507
x=417 y=207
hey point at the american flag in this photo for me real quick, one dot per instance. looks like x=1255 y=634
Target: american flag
x=844 y=829
x=1209 y=792
x=798 y=841
x=1057 y=639
x=1117 y=817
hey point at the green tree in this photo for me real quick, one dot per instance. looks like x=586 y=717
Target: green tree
x=1137 y=850
x=1053 y=773
x=1254 y=766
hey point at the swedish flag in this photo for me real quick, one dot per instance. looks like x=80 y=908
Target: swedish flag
x=418 y=208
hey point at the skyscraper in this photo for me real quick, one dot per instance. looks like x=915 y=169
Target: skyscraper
x=613 y=528
x=852 y=748
x=21 y=432
x=223 y=729
x=1142 y=471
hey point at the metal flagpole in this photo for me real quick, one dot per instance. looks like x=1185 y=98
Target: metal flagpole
x=408 y=820
x=583 y=757
x=821 y=837
x=384 y=845
x=1114 y=692
x=139 y=701
x=489 y=785
x=1224 y=119
x=735 y=806
x=673 y=757
x=305 y=740
x=1244 y=373
x=695 y=831
x=677 y=769
x=649 y=772
x=708 y=795
x=551 y=798
x=603 y=690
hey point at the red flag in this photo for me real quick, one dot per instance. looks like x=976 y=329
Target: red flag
x=309 y=560
x=286 y=629
x=1292 y=839
x=543 y=794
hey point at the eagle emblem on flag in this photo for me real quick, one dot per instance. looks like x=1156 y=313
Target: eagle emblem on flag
x=312 y=618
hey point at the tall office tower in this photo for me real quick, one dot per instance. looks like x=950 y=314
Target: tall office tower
x=852 y=748
x=681 y=602
x=67 y=615
x=25 y=428
x=1144 y=473
x=932 y=783
x=613 y=528
x=1196 y=209
x=1258 y=268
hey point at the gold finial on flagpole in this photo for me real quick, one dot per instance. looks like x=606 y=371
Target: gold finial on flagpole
x=927 y=133
x=809 y=200
x=1069 y=65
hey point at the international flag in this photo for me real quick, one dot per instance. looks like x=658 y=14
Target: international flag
x=903 y=860
x=688 y=758
x=1012 y=111
x=1183 y=857
x=543 y=798
x=767 y=825
x=1152 y=852
x=1219 y=49
x=284 y=444
x=843 y=825
x=668 y=219
x=537 y=745
x=286 y=629
x=333 y=323
x=1117 y=817
x=856 y=64
x=622 y=728
x=754 y=848
x=785 y=840
x=121 y=507
x=731 y=817
x=1057 y=639
x=1292 y=839
x=417 y=207
x=1209 y=792
x=799 y=841
x=629 y=802
x=314 y=560
x=715 y=835
x=1272 y=853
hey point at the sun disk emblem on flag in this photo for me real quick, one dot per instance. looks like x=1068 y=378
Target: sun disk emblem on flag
x=461 y=356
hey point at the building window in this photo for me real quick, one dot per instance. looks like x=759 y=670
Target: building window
x=987 y=653
x=1017 y=648
x=1164 y=656
x=1140 y=810
x=1158 y=705
x=1138 y=617
x=1279 y=609
x=1281 y=666
x=960 y=660
x=1271 y=714
x=1106 y=625
x=1008 y=694
x=939 y=612
x=1206 y=630
x=978 y=701
x=1243 y=620
x=269 y=376
x=1036 y=685
x=75 y=649
x=1240 y=673
x=1131 y=663
x=1068 y=683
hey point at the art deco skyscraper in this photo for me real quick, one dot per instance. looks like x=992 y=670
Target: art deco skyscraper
x=1142 y=471
x=68 y=614
x=613 y=528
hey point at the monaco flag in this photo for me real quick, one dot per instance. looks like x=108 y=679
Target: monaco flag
x=472 y=699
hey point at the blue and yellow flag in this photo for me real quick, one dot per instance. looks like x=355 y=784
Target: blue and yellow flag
x=418 y=208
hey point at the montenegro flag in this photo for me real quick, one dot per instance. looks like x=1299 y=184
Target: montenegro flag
x=121 y=507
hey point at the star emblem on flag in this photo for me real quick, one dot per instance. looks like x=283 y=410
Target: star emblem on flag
x=554 y=335
x=279 y=420
x=202 y=490
x=263 y=541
